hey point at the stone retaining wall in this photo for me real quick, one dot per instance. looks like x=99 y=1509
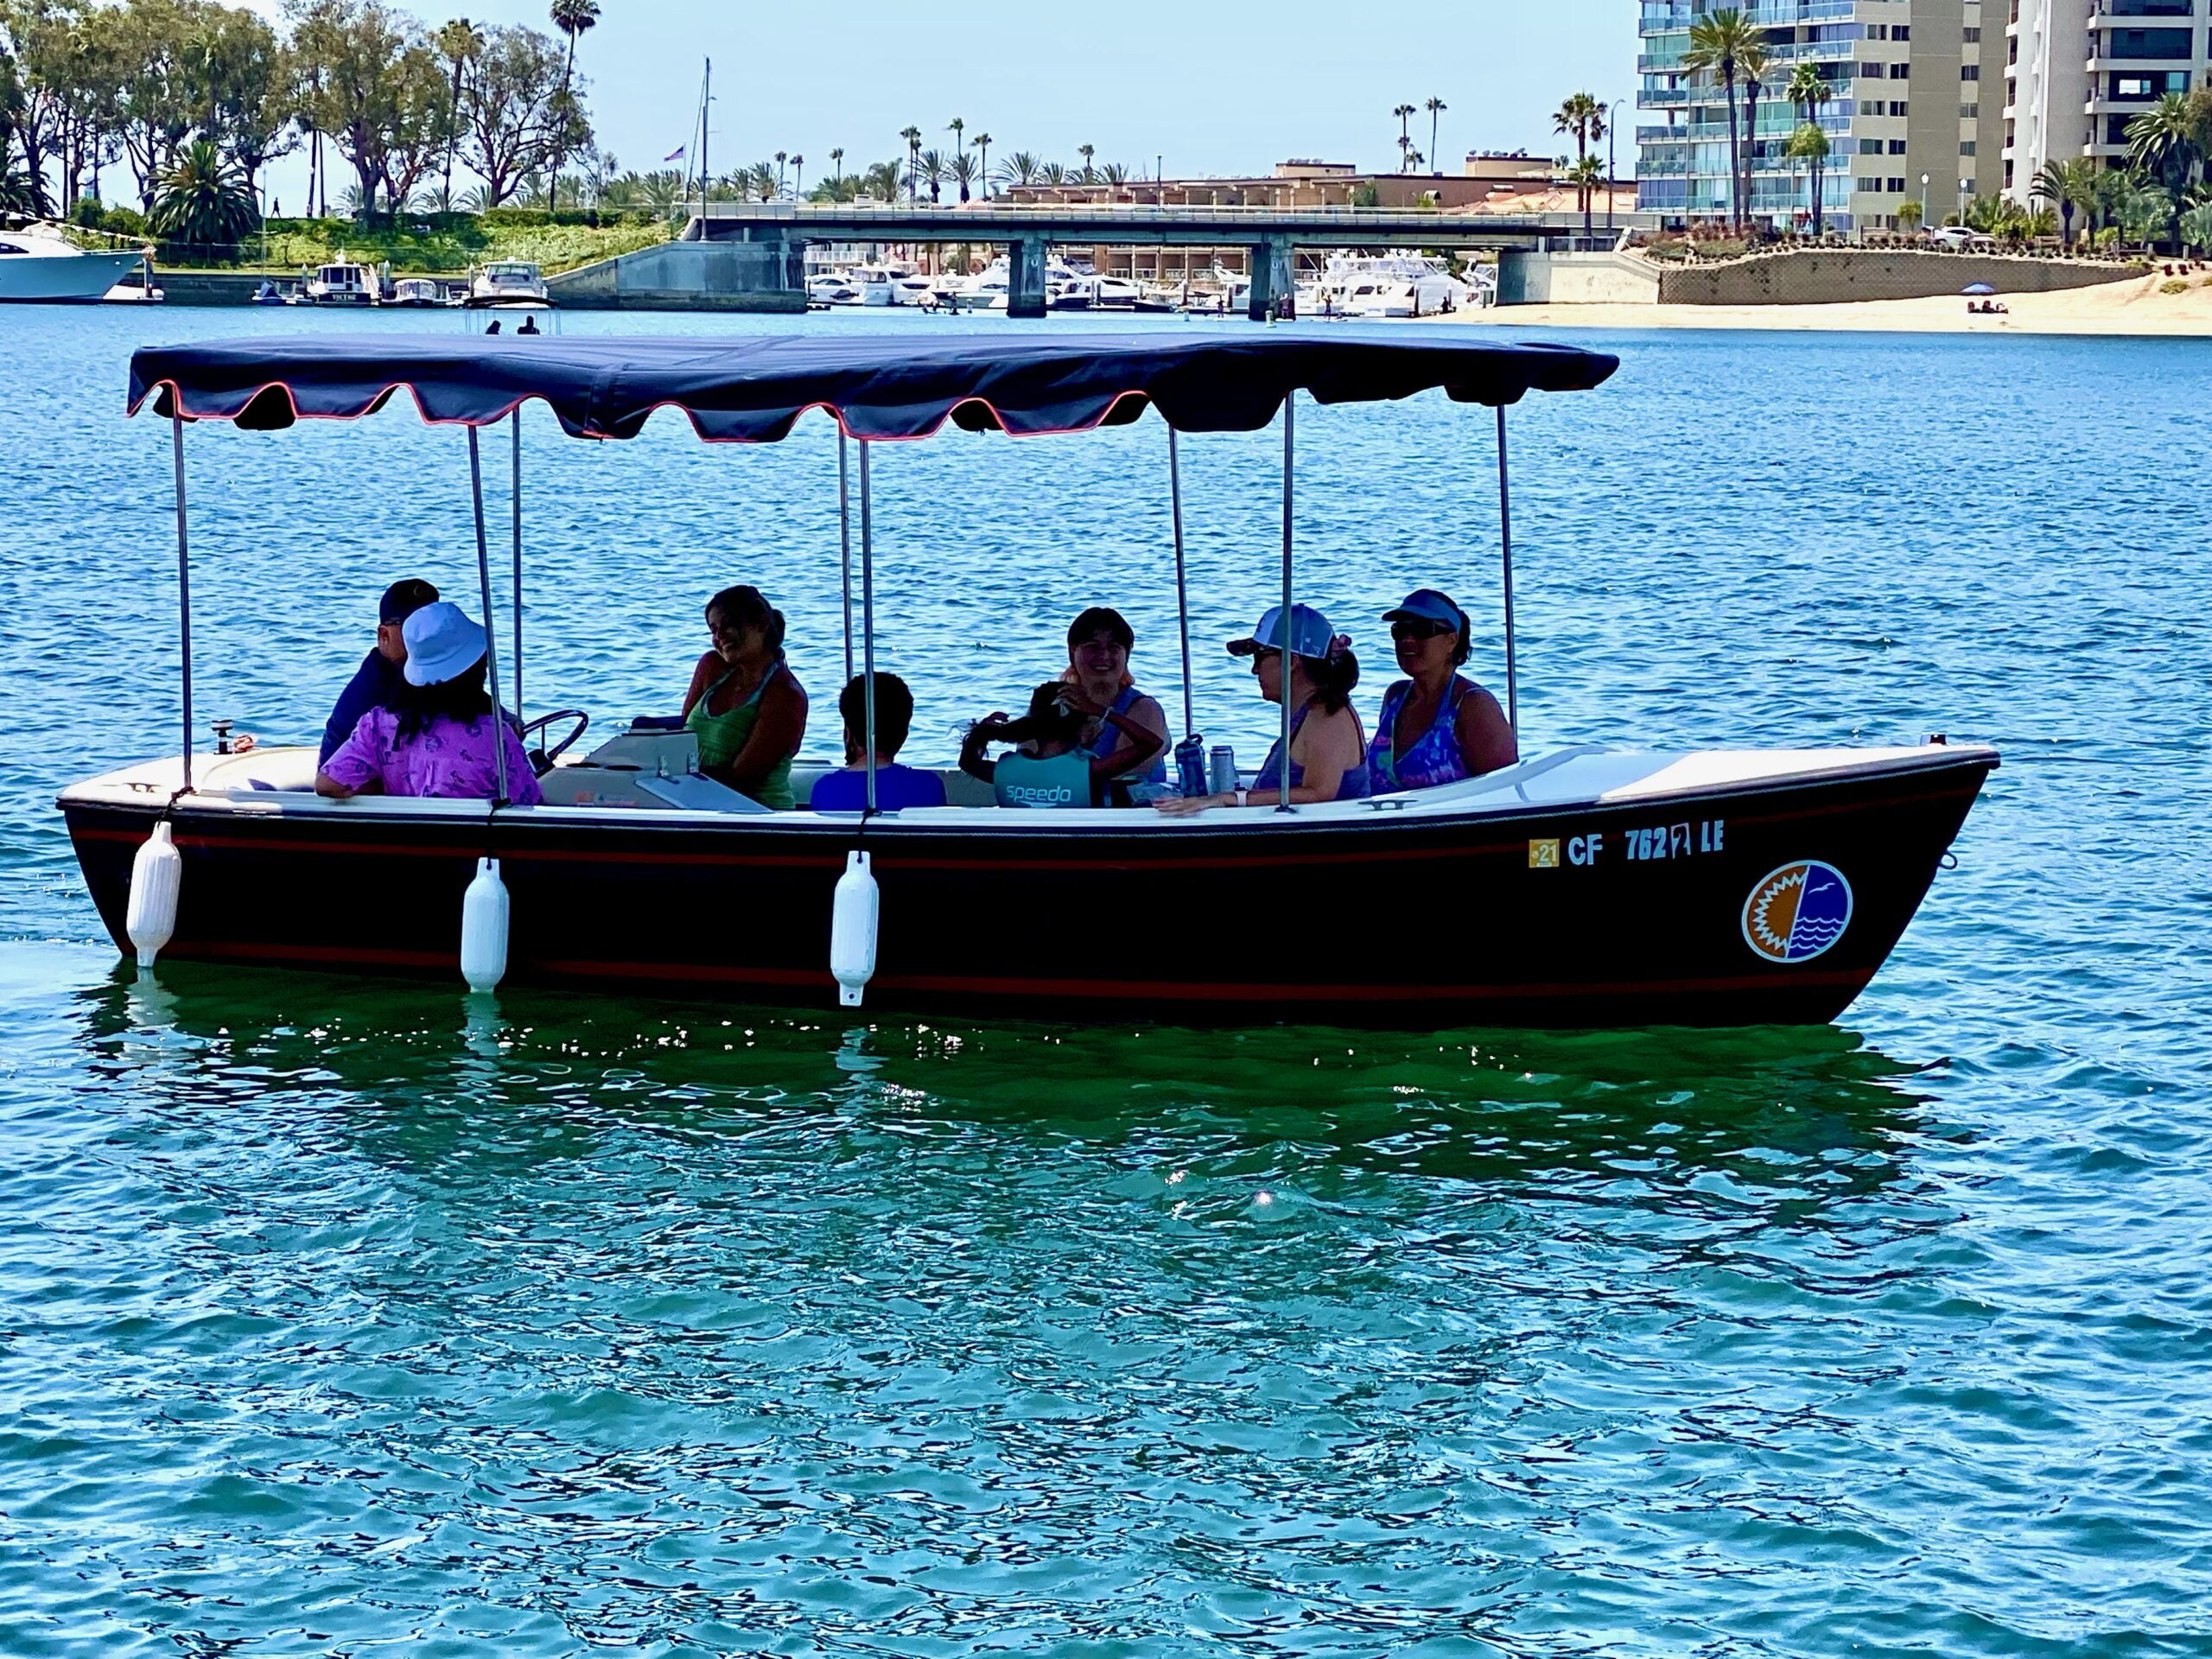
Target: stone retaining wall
x=684 y=276
x=1825 y=276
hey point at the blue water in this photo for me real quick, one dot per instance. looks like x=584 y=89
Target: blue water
x=335 y=1319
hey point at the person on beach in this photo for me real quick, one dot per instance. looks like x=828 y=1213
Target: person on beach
x=1328 y=750
x=1098 y=686
x=745 y=705
x=435 y=736
x=377 y=681
x=897 y=786
x=1437 y=726
x=1049 y=766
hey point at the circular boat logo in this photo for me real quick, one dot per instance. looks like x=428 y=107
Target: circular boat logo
x=1797 y=912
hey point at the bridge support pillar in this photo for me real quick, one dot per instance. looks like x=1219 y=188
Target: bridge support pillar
x=1024 y=281
x=1275 y=285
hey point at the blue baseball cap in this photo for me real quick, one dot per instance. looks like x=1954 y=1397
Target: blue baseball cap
x=1310 y=633
x=1426 y=604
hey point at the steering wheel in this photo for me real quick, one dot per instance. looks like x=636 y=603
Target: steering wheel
x=541 y=760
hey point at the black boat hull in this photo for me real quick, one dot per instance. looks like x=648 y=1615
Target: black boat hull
x=1607 y=914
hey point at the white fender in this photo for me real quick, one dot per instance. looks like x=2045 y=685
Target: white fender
x=483 y=928
x=156 y=876
x=853 y=918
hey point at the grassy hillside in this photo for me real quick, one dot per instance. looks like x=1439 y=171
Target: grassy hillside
x=437 y=244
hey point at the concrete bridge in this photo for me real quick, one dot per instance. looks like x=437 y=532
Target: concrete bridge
x=755 y=251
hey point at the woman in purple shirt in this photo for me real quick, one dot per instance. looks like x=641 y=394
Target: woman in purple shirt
x=437 y=739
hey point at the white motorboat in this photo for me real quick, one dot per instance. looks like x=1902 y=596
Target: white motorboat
x=341 y=282
x=833 y=288
x=418 y=291
x=1116 y=293
x=1398 y=283
x=883 y=285
x=503 y=280
x=39 y=262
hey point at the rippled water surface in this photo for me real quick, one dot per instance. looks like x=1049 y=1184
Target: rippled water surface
x=340 y=1317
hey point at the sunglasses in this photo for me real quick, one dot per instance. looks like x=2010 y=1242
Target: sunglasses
x=1417 y=628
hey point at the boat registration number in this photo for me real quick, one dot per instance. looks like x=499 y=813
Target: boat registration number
x=1640 y=846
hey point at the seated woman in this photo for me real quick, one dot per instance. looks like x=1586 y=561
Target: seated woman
x=896 y=786
x=1098 y=686
x=1327 y=748
x=436 y=736
x=1051 y=768
x=1439 y=726
x=745 y=704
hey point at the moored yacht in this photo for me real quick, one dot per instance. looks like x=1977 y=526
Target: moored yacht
x=39 y=262
x=342 y=281
x=502 y=280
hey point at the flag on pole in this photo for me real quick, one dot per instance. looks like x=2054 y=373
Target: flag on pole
x=676 y=154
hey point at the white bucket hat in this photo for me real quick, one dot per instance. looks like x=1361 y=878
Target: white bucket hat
x=441 y=644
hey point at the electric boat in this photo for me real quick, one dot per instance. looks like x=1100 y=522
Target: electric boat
x=39 y=262
x=1607 y=888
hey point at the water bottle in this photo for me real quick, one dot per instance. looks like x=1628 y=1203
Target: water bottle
x=1190 y=766
x=1223 y=776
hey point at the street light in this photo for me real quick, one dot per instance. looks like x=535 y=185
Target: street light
x=1612 y=131
x=1964 y=186
x=1924 y=204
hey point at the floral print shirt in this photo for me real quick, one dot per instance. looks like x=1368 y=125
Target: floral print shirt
x=448 y=758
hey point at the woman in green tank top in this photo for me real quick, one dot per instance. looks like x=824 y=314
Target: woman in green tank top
x=747 y=707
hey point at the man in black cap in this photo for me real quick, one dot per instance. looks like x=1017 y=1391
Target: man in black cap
x=377 y=679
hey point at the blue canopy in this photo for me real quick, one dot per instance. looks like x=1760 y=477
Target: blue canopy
x=752 y=390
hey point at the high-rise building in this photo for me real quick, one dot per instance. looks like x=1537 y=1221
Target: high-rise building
x=1902 y=111
x=2076 y=71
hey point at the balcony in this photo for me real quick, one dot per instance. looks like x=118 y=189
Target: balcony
x=1673 y=98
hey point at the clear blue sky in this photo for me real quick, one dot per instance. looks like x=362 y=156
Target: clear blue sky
x=1220 y=88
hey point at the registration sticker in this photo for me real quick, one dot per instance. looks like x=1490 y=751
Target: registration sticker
x=1543 y=855
x=1797 y=912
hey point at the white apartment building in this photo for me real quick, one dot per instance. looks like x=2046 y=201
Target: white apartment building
x=1902 y=113
x=2077 y=70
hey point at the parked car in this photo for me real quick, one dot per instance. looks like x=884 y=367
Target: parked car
x=1959 y=239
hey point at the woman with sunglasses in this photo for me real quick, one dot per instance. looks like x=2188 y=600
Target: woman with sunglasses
x=1438 y=726
x=1327 y=757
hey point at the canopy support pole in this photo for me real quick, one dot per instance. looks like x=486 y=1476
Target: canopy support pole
x=1182 y=599
x=515 y=422
x=845 y=549
x=1290 y=430
x=491 y=643
x=867 y=627
x=184 y=576
x=1505 y=556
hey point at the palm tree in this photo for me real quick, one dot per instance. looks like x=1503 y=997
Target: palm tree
x=1113 y=173
x=1089 y=174
x=1809 y=143
x=958 y=129
x=1051 y=173
x=1585 y=176
x=762 y=179
x=1717 y=40
x=963 y=172
x=782 y=157
x=982 y=142
x=2164 y=145
x=929 y=170
x=1584 y=117
x=1404 y=112
x=202 y=201
x=573 y=18
x=798 y=175
x=1751 y=64
x=913 y=137
x=880 y=181
x=460 y=45
x=1435 y=106
x=836 y=170
x=2059 y=182
x=1019 y=169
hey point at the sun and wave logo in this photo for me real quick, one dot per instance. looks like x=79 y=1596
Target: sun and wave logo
x=1797 y=912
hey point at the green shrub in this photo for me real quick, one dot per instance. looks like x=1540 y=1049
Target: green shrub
x=2176 y=286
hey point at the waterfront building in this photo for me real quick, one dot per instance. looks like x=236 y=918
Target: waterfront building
x=1904 y=114
x=2076 y=71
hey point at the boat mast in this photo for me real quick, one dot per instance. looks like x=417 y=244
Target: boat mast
x=514 y=421
x=868 y=628
x=490 y=643
x=1182 y=601
x=1505 y=556
x=183 y=573
x=1282 y=623
x=706 y=98
x=845 y=548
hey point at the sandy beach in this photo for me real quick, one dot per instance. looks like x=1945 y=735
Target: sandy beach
x=2134 y=306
